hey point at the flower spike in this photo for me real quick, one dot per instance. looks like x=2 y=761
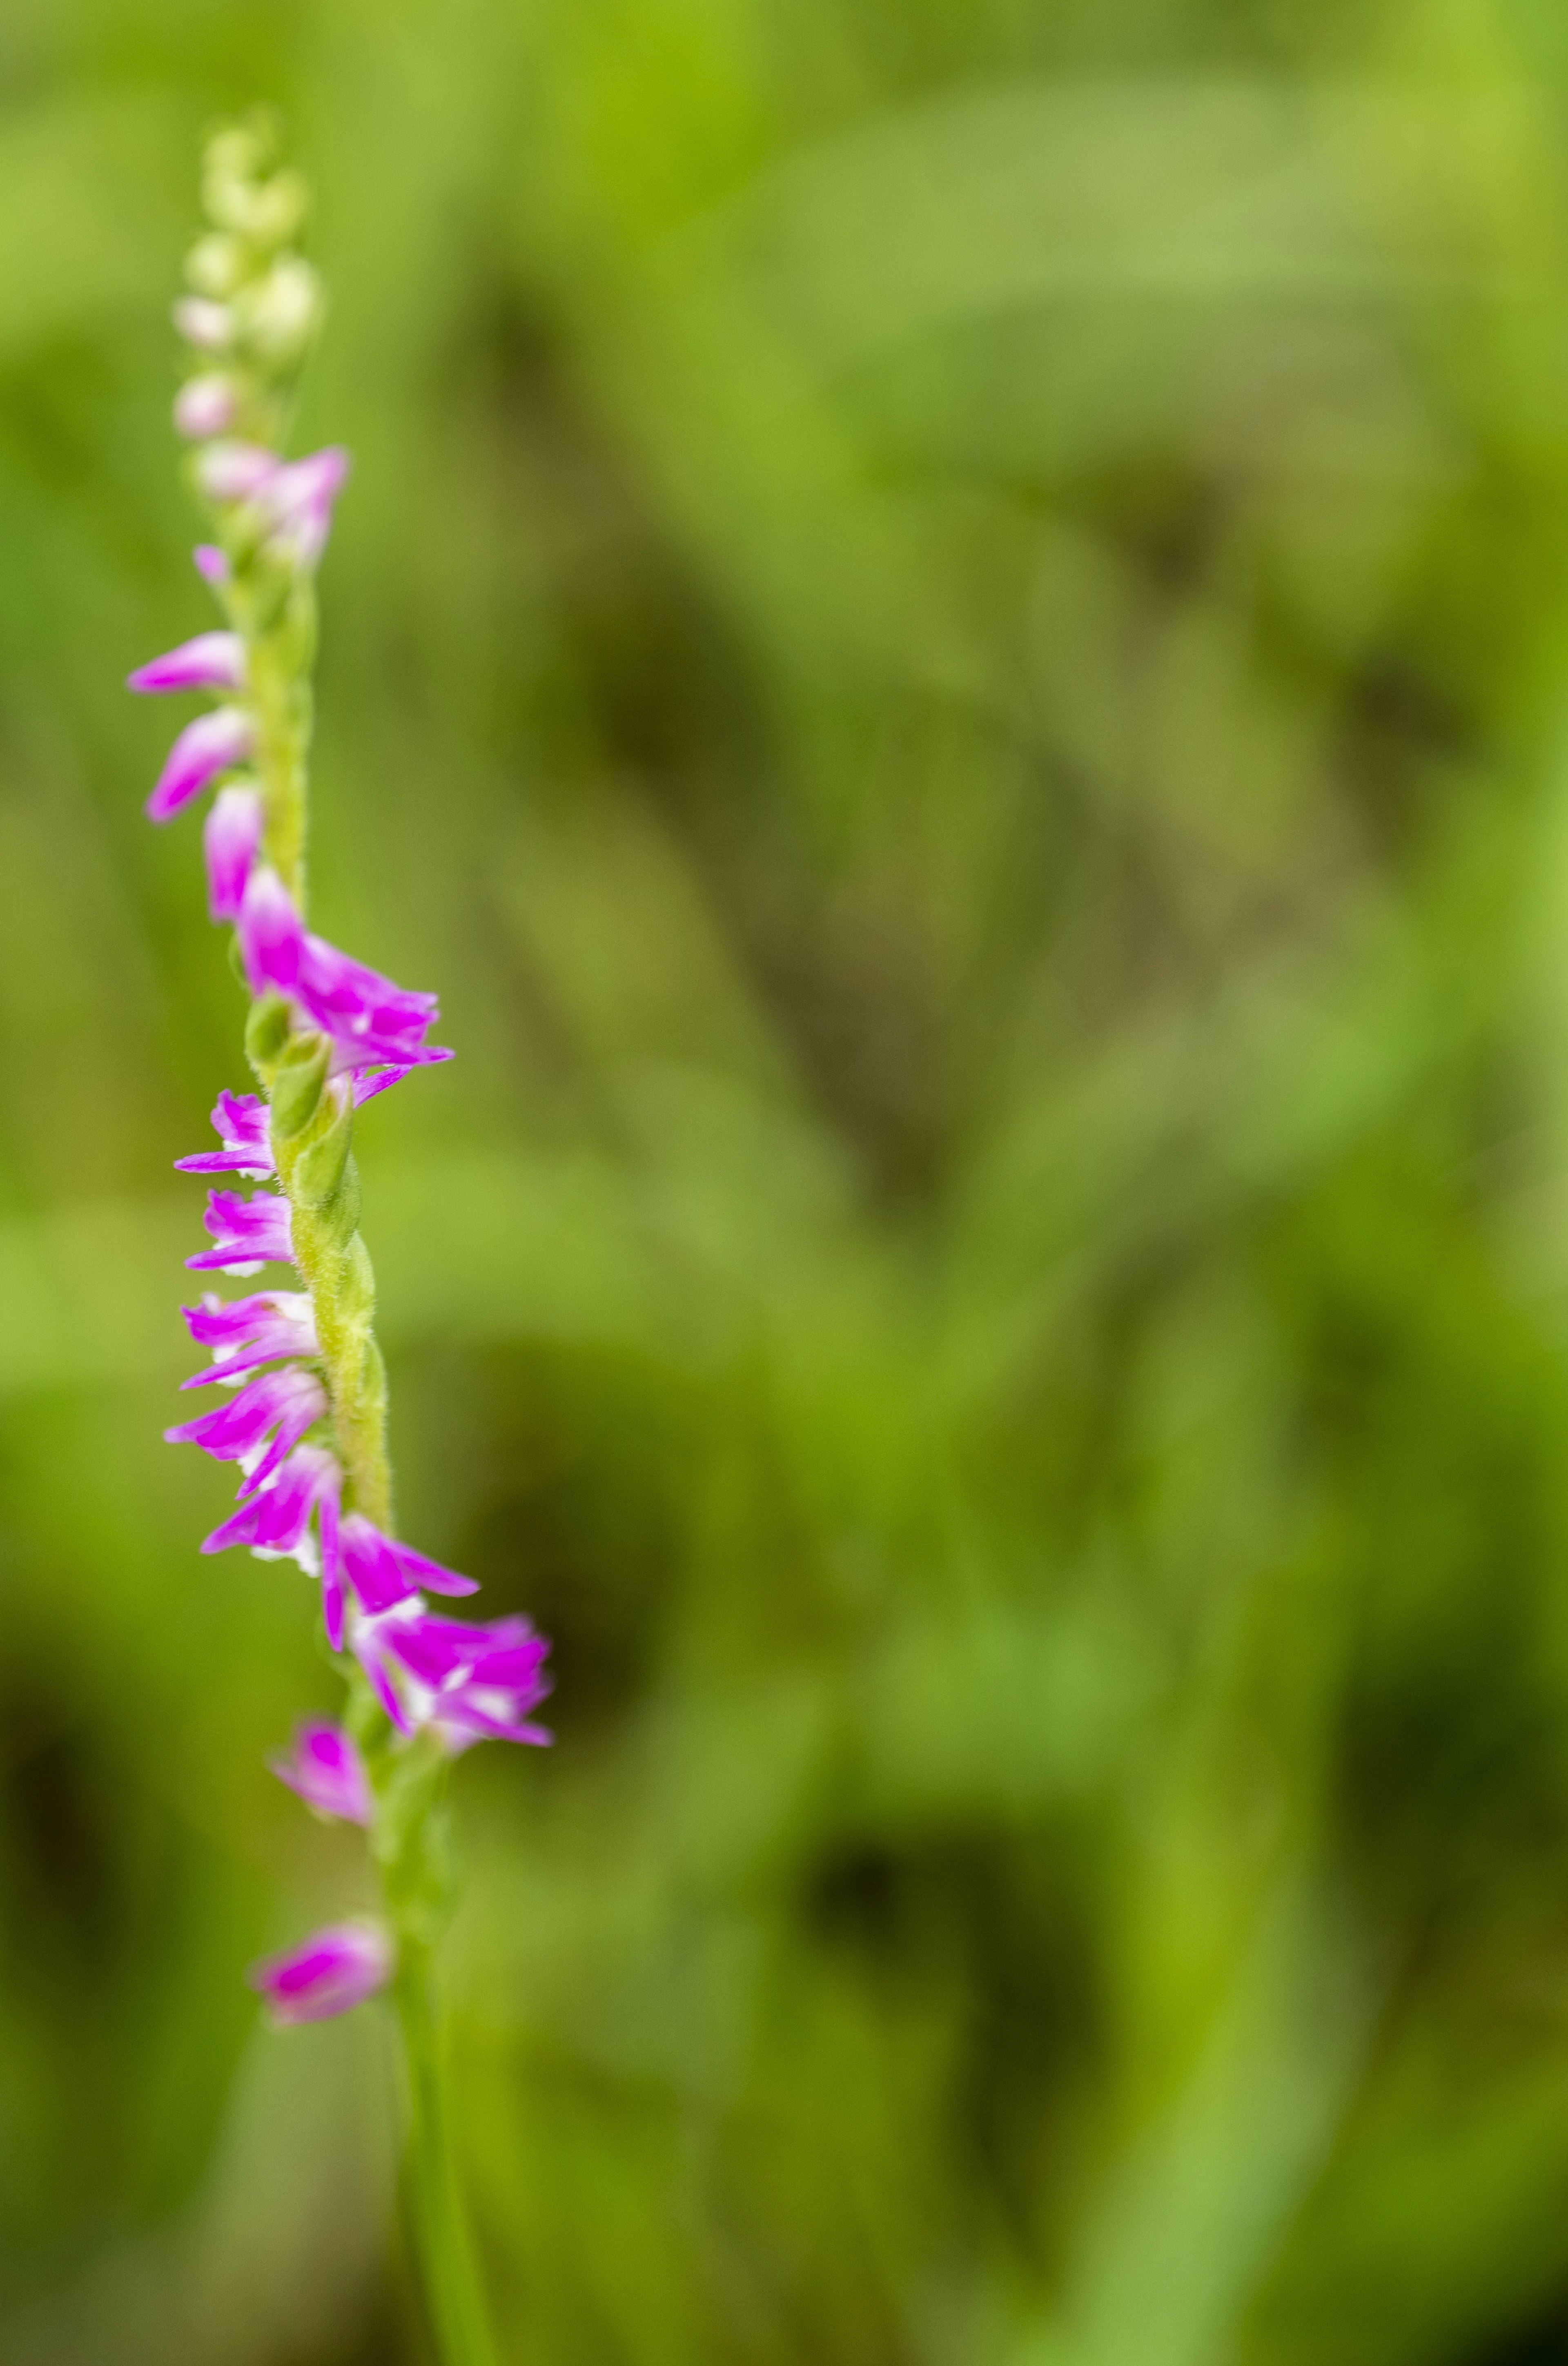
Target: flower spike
x=298 y=1399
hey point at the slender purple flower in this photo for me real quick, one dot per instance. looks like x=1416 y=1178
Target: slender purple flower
x=205 y=406
x=472 y=1682
x=211 y=564
x=212 y=662
x=328 y=1773
x=333 y=1971
x=239 y=1121
x=276 y=1521
x=230 y=840
x=209 y=745
x=245 y=1332
x=246 y=1234
x=284 y=1405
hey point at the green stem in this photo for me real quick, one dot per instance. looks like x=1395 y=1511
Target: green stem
x=432 y=2197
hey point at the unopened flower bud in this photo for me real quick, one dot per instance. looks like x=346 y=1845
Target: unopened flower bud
x=208 y=326
x=216 y=266
x=272 y=212
x=235 y=471
x=280 y=314
x=206 y=406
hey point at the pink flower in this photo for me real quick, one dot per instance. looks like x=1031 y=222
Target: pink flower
x=212 y=662
x=332 y=1971
x=328 y=1773
x=245 y=1332
x=275 y=1522
x=283 y=1404
x=379 y=1571
x=295 y=497
x=246 y=1234
x=235 y=471
x=471 y=1683
x=230 y=838
x=371 y=1022
x=241 y=1124
x=300 y=500
x=210 y=745
x=205 y=406
x=211 y=564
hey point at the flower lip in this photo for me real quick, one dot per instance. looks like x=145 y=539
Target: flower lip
x=331 y=1972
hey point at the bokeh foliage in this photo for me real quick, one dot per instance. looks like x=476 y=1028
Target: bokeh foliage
x=949 y=643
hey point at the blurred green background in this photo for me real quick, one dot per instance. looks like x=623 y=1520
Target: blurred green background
x=950 y=642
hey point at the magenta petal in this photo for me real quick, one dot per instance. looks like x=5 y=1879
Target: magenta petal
x=421 y=1572
x=205 y=747
x=328 y=1773
x=332 y=1971
x=212 y=662
x=211 y=564
x=371 y=1566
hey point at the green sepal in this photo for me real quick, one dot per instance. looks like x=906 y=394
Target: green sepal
x=324 y=1175
x=266 y=1032
x=297 y=1087
x=356 y=1286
